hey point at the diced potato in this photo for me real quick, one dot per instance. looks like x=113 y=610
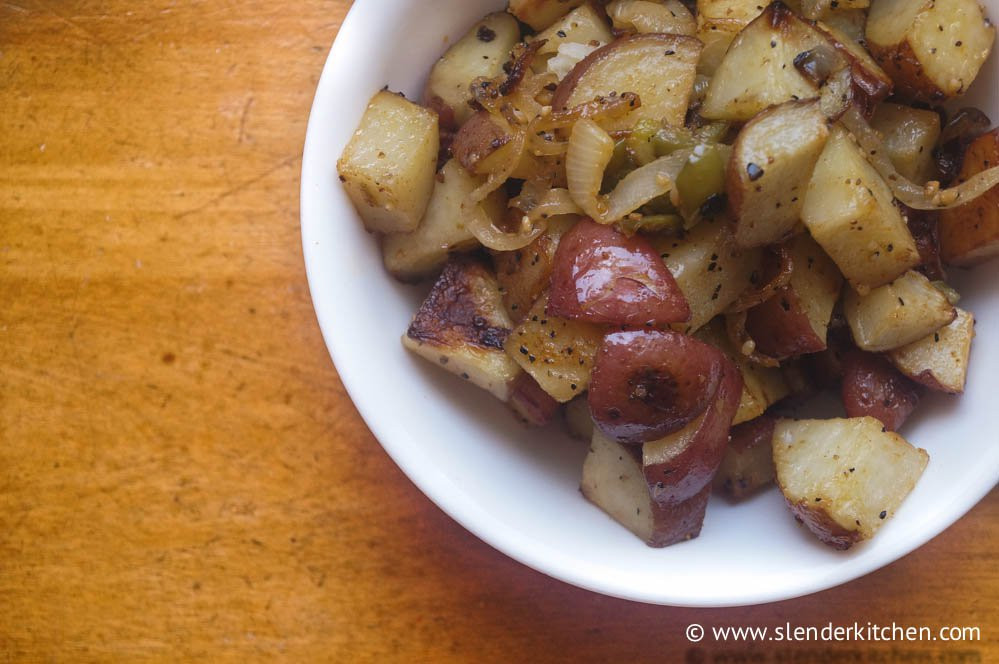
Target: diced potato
x=910 y=134
x=761 y=386
x=738 y=13
x=820 y=9
x=710 y=269
x=558 y=353
x=850 y=212
x=419 y=254
x=939 y=360
x=849 y=22
x=932 y=49
x=582 y=25
x=388 y=166
x=578 y=421
x=758 y=69
x=462 y=325
x=716 y=39
x=481 y=52
x=871 y=83
x=539 y=14
x=816 y=281
x=769 y=171
x=748 y=464
x=660 y=69
x=526 y=273
x=645 y=16
x=969 y=234
x=844 y=477
x=898 y=313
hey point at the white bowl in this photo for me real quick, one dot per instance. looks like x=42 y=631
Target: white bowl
x=517 y=489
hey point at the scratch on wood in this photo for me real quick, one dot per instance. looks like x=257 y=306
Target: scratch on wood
x=242 y=119
x=238 y=188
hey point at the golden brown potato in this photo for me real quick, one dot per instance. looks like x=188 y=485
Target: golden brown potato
x=910 y=134
x=539 y=14
x=769 y=170
x=932 y=49
x=710 y=269
x=526 y=273
x=820 y=9
x=939 y=360
x=558 y=353
x=897 y=313
x=969 y=234
x=481 y=52
x=388 y=166
x=583 y=25
x=645 y=16
x=844 y=477
x=871 y=84
x=660 y=69
x=850 y=212
x=462 y=325
x=420 y=253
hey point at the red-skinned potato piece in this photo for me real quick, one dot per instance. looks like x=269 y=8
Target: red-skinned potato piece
x=872 y=386
x=679 y=466
x=530 y=402
x=781 y=328
x=649 y=383
x=748 y=463
x=602 y=276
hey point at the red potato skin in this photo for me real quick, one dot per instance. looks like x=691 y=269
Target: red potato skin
x=780 y=327
x=755 y=432
x=818 y=521
x=601 y=276
x=686 y=474
x=872 y=386
x=531 y=403
x=684 y=520
x=649 y=383
x=478 y=138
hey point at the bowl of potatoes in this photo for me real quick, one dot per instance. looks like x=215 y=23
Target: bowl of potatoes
x=682 y=302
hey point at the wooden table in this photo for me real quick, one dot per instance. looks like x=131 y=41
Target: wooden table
x=182 y=476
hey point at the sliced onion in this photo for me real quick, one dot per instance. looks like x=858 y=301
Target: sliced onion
x=537 y=201
x=929 y=197
x=644 y=184
x=735 y=326
x=782 y=266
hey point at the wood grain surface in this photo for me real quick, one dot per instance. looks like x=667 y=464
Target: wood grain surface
x=182 y=477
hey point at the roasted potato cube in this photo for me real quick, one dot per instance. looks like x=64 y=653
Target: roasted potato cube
x=849 y=22
x=758 y=69
x=898 y=313
x=481 y=52
x=709 y=268
x=969 y=234
x=820 y=9
x=462 y=325
x=524 y=274
x=582 y=25
x=388 y=166
x=558 y=353
x=932 y=49
x=645 y=16
x=539 y=14
x=613 y=481
x=578 y=421
x=420 y=253
x=850 y=212
x=737 y=13
x=910 y=134
x=769 y=171
x=660 y=69
x=873 y=387
x=939 y=360
x=844 y=477
x=530 y=403
x=748 y=464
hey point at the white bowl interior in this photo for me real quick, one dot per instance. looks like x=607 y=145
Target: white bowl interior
x=517 y=489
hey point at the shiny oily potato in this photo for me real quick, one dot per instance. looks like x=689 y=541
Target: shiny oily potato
x=939 y=360
x=748 y=464
x=932 y=49
x=850 y=212
x=659 y=68
x=420 y=253
x=601 y=276
x=388 y=167
x=613 y=481
x=872 y=386
x=768 y=173
x=539 y=14
x=482 y=51
x=558 y=353
x=969 y=234
x=843 y=478
x=462 y=325
x=897 y=314
x=647 y=16
x=910 y=135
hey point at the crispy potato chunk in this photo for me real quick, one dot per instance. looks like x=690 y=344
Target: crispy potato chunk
x=844 y=477
x=388 y=166
x=462 y=326
x=910 y=134
x=539 y=14
x=849 y=210
x=932 y=49
x=898 y=313
x=558 y=353
x=769 y=171
x=939 y=360
x=644 y=16
x=582 y=25
x=969 y=234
